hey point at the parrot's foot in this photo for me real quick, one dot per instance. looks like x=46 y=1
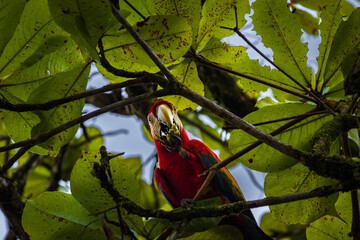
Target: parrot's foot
x=186 y=203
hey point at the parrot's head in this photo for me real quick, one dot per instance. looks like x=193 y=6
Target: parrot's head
x=165 y=125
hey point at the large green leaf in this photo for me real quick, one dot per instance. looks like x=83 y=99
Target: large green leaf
x=189 y=9
x=274 y=227
x=57 y=215
x=298 y=179
x=35 y=29
x=22 y=82
x=169 y=37
x=10 y=12
x=264 y=158
x=36 y=182
x=77 y=145
x=219 y=13
x=20 y=124
x=140 y=6
x=328 y=228
x=281 y=31
x=87 y=190
x=186 y=73
x=85 y=20
x=343 y=207
x=330 y=20
x=61 y=85
x=346 y=40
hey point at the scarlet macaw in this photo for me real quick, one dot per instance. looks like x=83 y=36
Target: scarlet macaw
x=181 y=160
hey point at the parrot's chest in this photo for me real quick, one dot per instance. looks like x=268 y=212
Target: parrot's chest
x=183 y=174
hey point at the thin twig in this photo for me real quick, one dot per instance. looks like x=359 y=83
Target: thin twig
x=27 y=144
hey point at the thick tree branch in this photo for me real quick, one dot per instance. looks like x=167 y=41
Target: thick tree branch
x=54 y=103
x=231 y=208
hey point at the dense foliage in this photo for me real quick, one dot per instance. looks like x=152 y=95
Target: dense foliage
x=47 y=49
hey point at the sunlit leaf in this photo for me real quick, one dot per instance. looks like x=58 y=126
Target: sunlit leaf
x=345 y=41
x=313 y=4
x=309 y=23
x=76 y=146
x=85 y=20
x=10 y=12
x=216 y=14
x=61 y=85
x=281 y=31
x=62 y=216
x=139 y=5
x=22 y=82
x=168 y=36
x=36 y=27
x=298 y=178
x=87 y=190
x=264 y=158
x=186 y=73
x=330 y=20
x=344 y=207
x=37 y=182
x=274 y=227
x=328 y=228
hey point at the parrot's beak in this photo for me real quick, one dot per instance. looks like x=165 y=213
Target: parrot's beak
x=169 y=130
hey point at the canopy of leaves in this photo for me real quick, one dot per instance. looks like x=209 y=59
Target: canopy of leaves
x=48 y=48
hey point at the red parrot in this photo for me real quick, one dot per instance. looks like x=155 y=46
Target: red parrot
x=181 y=160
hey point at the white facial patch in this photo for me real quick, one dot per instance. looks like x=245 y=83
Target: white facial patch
x=164 y=114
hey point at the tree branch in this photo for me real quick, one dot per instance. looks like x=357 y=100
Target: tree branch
x=27 y=144
x=54 y=103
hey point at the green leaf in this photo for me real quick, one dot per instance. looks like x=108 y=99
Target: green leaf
x=61 y=85
x=265 y=158
x=214 y=15
x=133 y=17
x=35 y=28
x=85 y=20
x=62 y=217
x=309 y=23
x=20 y=124
x=22 y=82
x=274 y=227
x=298 y=179
x=36 y=182
x=189 y=9
x=343 y=207
x=10 y=12
x=281 y=31
x=219 y=52
x=186 y=73
x=330 y=20
x=346 y=40
x=87 y=190
x=154 y=228
x=313 y=4
x=328 y=228
x=169 y=37
x=223 y=232
x=76 y=146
